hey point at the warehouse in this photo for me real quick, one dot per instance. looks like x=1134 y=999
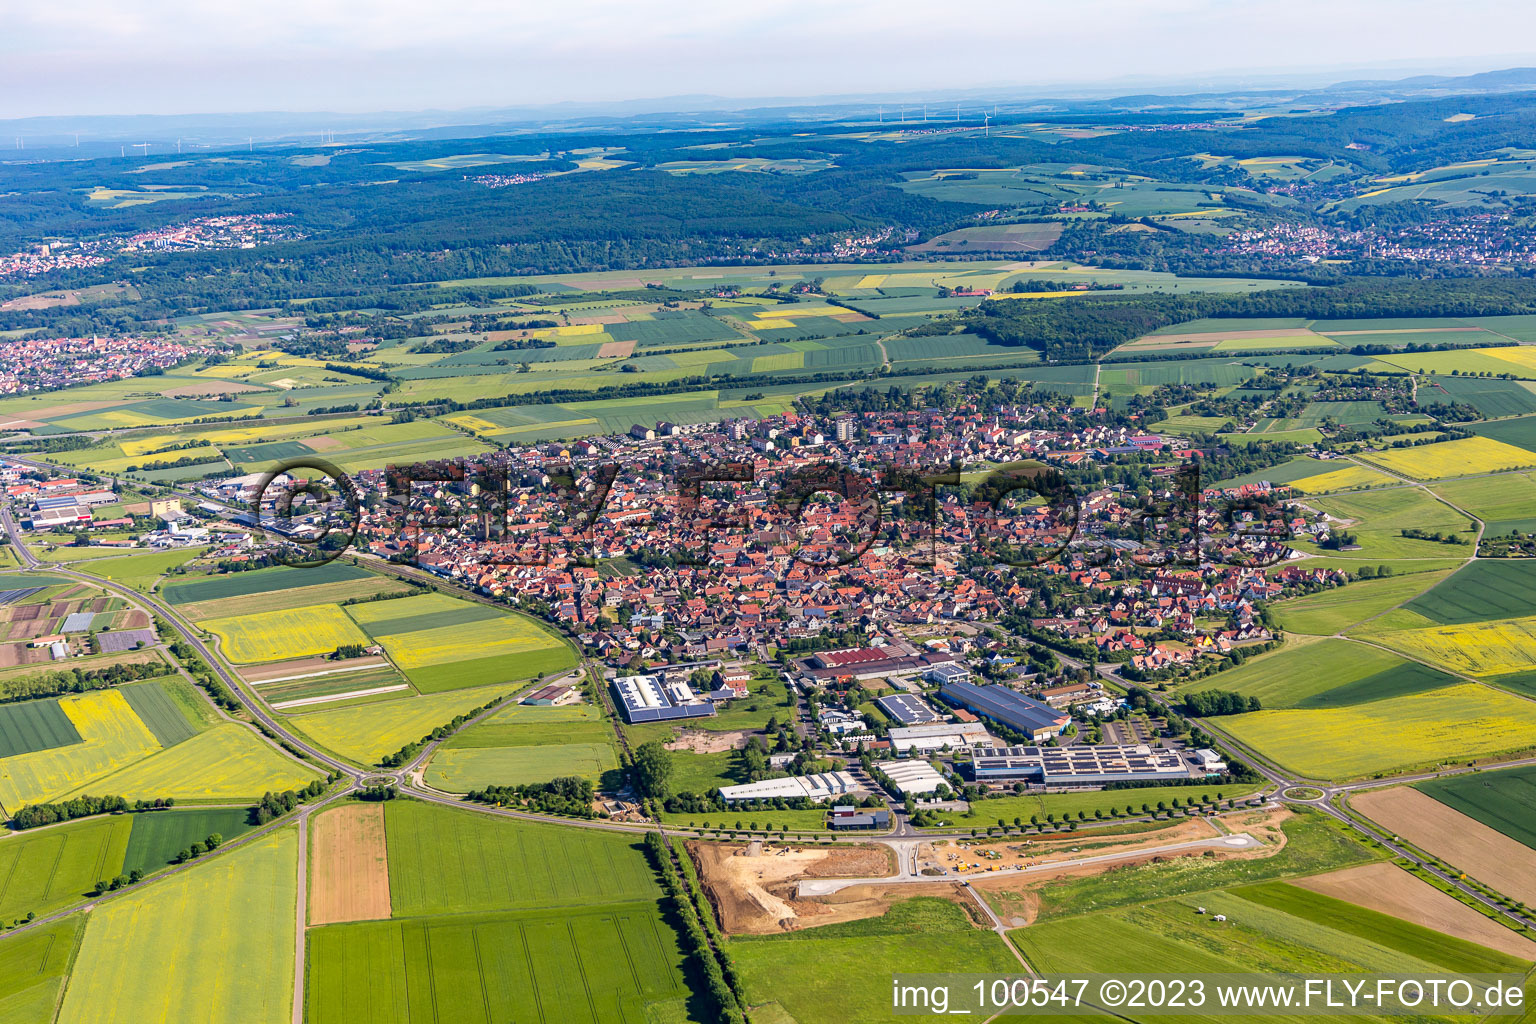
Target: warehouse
x=907 y=709
x=843 y=819
x=648 y=699
x=868 y=663
x=912 y=778
x=924 y=739
x=1079 y=766
x=814 y=788
x=1001 y=704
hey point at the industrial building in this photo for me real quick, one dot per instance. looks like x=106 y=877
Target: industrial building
x=907 y=709
x=842 y=819
x=868 y=663
x=648 y=699
x=1079 y=766
x=924 y=739
x=912 y=778
x=553 y=694
x=814 y=788
x=1009 y=707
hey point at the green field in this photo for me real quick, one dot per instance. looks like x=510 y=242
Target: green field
x=824 y=976
x=420 y=612
x=237 y=908
x=1503 y=800
x=477 y=652
x=260 y=581
x=1325 y=673
x=1336 y=610
x=1430 y=727
x=1505 y=501
x=33 y=967
x=1486 y=589
x=459 y=770
x=141 y=571
x=602 y=966
x=158 y=836
x=55 y=866
x=1069 y=805
x=34 y=725
x=444 y=861
x=151 y=700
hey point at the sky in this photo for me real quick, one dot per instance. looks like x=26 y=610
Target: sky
x=80 y=57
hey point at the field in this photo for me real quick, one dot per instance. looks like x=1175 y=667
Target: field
x=235 y=909
x=602 y=966
x=1429 y=727
x=1465 y=843
x=463 y=769
x=33 y=967
x=112 y=737
x=261 y=581
x=1389 y=896
x=486 y=650
x=1065 y=805
x=1327 y=673
x=367 y=732
x=1487 y=589
x=1506 y=502
x=444 y=861
x=227 y=762
x=279 y=635
x=1482 y=649
x=159 y=836
x=1463 y=457
x=1336 y=610
x=832 y=983
x=540 y=923
x=151 y=700
x=1271 y=927
x=1503 y=800
x=42 y=870
x=34 y=725
x=142 y=571
x=350 y=879
x=1347 y=479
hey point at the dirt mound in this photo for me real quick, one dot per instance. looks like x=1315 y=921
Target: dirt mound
x=754 y=887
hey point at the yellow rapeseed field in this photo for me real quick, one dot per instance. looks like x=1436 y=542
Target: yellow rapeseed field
x=1341 y=480
x=112 y=736
x=369 y=731
x=487 y=638
x=1453 y=458
x=1457 y=722
x=228 y=762
x=1475 y=648
x=871 y=281
x=294 y=633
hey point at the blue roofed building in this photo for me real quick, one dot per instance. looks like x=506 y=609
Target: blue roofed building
x=1008 y=707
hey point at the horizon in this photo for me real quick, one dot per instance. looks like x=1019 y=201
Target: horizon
x=307 y=59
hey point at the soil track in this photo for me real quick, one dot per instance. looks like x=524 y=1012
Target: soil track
x=350 y=881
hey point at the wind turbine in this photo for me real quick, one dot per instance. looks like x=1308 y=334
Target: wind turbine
x=143 y=145
x=986 y=125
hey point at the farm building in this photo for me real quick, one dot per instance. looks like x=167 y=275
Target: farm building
x=913 y=778
x=1079 y=766
x=814 y=788
x=648 y=699
x=907 y=709
x=554 y=693
x=922 y=739
x=1009 y=707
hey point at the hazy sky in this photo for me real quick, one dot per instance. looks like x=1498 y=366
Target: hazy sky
x=178 y=56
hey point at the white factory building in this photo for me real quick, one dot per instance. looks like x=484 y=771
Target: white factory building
x=923 y=739
x=913 y=778
x=815 y=788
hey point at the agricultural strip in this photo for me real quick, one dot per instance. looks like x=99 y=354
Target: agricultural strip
x=33 y=967
x=155 y=707
x=158 y=836
x=43 y=869
x=349 y=878
x=34 y=725
x=463 y=769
